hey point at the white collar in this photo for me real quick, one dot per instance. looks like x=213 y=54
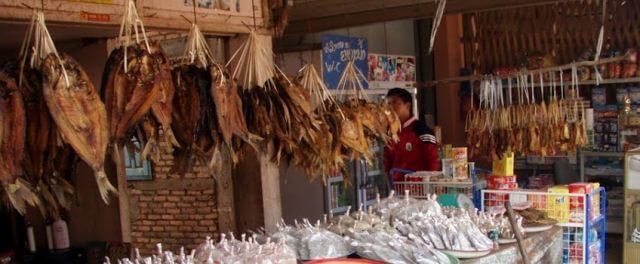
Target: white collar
x=409 y=122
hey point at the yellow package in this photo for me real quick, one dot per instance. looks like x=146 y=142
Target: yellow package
x=448 y=151
x=595 y=199
x=504 y=166
x=558 y=205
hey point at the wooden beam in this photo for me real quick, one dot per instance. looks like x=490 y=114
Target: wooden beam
x=325 y=15
x=154 y=18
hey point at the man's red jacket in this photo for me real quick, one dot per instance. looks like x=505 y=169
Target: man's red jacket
x=416 y=150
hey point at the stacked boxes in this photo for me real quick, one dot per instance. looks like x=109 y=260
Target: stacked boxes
x=569 y=209
x=503 y=177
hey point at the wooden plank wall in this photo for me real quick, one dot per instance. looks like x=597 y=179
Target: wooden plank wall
x=504 y=38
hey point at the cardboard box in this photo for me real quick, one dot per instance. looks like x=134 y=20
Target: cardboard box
x=558 y=205
x=504 y=166
x=460 y=163
x=577 y=204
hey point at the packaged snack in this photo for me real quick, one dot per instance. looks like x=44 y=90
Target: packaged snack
x=598 y=97
x=634 y=94
x=620 y=95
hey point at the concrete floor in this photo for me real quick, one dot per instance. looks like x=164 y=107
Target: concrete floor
x=613 y=249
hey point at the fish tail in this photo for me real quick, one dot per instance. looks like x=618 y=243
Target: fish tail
x=171 y=138
x=151 y=143
x=104 y=186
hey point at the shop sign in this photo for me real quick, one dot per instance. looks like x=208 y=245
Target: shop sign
x=337 y=50
x=95 y=17
x=389 y=71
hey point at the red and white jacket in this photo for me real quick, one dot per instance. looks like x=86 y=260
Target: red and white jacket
x=416 y=150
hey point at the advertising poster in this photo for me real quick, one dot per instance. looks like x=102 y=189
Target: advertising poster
x=388 y=71
x=337 y=51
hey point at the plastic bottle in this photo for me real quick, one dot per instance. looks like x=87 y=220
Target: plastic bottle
x=49 y=235
x=31 y=240
x=60 y=234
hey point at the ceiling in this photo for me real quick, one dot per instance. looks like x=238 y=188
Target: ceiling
x=309 y=16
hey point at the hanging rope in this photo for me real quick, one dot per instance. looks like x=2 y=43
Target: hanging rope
x=436 y=22
x=129 y=28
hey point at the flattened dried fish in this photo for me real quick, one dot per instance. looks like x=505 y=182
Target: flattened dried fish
x=79 y=114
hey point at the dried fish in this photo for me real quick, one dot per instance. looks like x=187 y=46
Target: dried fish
x=79 y=114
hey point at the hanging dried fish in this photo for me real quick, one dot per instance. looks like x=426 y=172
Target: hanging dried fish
x=530 y=126
x=12 y=141
x=79 y=114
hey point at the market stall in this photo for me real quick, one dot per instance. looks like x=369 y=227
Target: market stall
x=184 y=128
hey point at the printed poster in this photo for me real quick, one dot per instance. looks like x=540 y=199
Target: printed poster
x=337 y=50
x=226 y=5
x=388 y=71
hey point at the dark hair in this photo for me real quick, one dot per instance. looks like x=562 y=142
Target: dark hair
x=403 y=94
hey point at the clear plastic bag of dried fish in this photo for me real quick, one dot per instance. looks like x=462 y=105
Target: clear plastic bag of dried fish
x=395 y=248
x=359 y=221
x=489 y=222
x=227 y=250
x=312 y=241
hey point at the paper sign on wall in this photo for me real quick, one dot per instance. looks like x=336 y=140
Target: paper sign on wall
x=337 y=51
x=389 y=71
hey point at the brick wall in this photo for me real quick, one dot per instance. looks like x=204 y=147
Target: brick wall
x=172 y=209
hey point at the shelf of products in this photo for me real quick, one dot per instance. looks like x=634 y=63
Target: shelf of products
x=607 y=168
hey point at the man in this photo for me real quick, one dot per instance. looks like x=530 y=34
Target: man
x=416 y=150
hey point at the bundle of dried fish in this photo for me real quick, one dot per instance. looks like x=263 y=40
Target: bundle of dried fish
x=276 y=109
x=196 y=126
x=543 y=126
x=138 y=90
x=79 y=114
x=42 y=141
x=366 y=122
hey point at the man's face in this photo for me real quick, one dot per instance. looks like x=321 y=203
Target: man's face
x=401 y=108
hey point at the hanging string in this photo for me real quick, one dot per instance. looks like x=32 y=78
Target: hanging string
x=436 y=22
x=195 y=18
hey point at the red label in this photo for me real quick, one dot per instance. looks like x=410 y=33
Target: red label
x=95 y=17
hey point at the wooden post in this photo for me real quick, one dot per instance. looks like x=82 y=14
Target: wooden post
x=514 y=227
x=449 y=59
x=123 y=193
x=224 y=193
x=271 y=201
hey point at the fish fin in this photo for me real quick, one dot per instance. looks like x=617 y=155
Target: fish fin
x=20 y=194
x=104 y=186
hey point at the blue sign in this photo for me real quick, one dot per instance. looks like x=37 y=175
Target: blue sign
x=337 y=51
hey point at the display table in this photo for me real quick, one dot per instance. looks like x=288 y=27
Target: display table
x=542 y=247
